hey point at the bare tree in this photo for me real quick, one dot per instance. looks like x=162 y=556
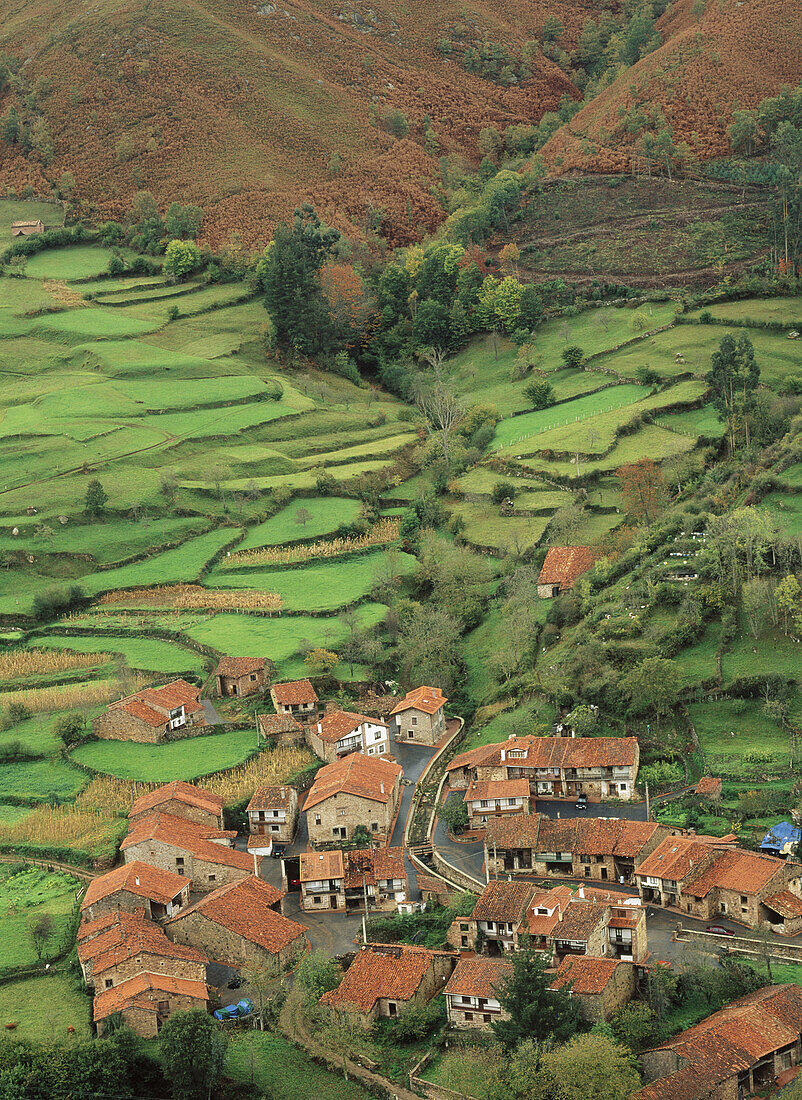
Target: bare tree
x=443 y=412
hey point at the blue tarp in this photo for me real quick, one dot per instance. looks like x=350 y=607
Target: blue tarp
x=780 y=836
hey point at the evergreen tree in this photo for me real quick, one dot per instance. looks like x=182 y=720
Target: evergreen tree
x=96 y=498
x=11 y=126
x=536 y=1011
x=734 y=377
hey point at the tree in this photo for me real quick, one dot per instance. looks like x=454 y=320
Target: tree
x=321 y=662
x=454 y=814
x=573 y=356
x=181 y=258
x=643 y=489
x=96 y=498
x=582 y=720
x=41 y=929
x=316 y=974
x=552 y=29
x=428 y=647
x=443 y=412
x=536 y=1011
x=303 y=516
x=193 y=1051
x=734 y=376
x=11 y=128
x=509 y=257
x=503 y=490
x=591 y=1065
x=635 y=1026
x=147 y=227
x=183 y=222
x=653 y=685
x=539 y=393
x=788 y=595
x=490 y=142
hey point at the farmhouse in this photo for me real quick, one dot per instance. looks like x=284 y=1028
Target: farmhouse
x=280 y=729
x=709 y=787
x=492 y=798
x=601 y=986
x=322 y=878
x=386 y=978
x=135 y=887
x=562 y=566
x=705 y=879
x=181 y=800
x=736 y=1052
x=273 y=812
x=146 y=1001
x=472 y=992
x=119 y=946
x=419 y=716
x=240 y=675
x=355 y=791
x=341 y=732
x=298 y=698
x=341 y=880
x=556 y=767
x=153 y=715
x=498 y=918
x=241 y=925
x=203 y=855
x=27 y=229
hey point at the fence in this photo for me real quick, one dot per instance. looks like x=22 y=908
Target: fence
x=557 y=424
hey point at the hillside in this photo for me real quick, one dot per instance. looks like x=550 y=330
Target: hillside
x=245 y=109
x=714 y=55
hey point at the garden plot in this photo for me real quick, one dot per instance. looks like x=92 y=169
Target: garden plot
x=187 y=759
x=24 y=895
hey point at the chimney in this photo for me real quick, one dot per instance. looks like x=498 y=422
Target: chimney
x=382 y=786
x=136 y=880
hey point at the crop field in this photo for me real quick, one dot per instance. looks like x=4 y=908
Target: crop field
x=185 y=759
x=141 y=653
x=45 y=1009
x=24 y=894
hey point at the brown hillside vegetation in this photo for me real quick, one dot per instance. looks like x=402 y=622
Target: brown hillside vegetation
x=734 y=52
x=245 y=108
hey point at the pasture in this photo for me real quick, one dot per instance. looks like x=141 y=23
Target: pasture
x=76 y=261
x=305 y=518
x=50 y=214
x=730 y=730
x=23 y=895
x=189 y=758
x=44 y=1009
x=151 y=654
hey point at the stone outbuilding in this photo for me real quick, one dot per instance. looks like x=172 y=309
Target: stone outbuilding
x=181 y=800
x=27 y=229
x=280 y=729
x=297 y=698
x=205 y=856
x=273 y=813
x=356 y=791
x=240 y=676
x=385 y=978
x=420 y=716
x=135 y=887
x=472 y=992
x=562 y=567
x=241 y=926
x=147 y=1001
x=118 y=946
x=601 y=986
x=154 y=715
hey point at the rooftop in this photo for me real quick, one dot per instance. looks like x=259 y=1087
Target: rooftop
x=376 y=864
x=294 y=693
x=271 y=798
x=239 y=666
x=133 y=993
x=580 y=920
x=316 y=866
x=584 y=974
x=552 y=753
x=128 y=936
x=178 y=791
x=339 y=723
x=392 y=971
x=708 y=784
x=272 y=725
x=478 y=977
x=152 y=704
x=504 y=901
x=563 y=564
x=244 y=908
x=363 y=776
x=488 y=789
x=427 y=699
x=186 y=835
x=785 y=903
x=137 y=878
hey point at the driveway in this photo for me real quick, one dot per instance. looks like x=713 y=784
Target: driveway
x=211 y=715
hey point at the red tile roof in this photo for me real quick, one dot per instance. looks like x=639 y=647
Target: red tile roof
x=427 y=699
x=472 y=757
x=729 y=1042
x=294 y=693
x=150 y=704
x=504 y=901
x=271 y=798
x=563 y=564
x=129 y=936
x=702 y=865
x=134 y=993
x=136 y=878
x=580 y=920
x=497 y=788
x=392 y=971
x=239 y=666
x=321 y=865
x=785 y=903
x=376 y=864
x=339 y=723
x=586 y=975
x=185 y=835
x=553 y=753
x=273 y=725
x=542 y=924
x=244 y=909
x=478 y=977
x=363 y=776
x=708 y=784
x=514 y=831
x=178 y=791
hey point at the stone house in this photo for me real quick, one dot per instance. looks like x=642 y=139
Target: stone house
x=341 y=732
x=489 y=799
x=498 y=918
x=562 y=567
x=146 y=1001
x=240 y=676
x=27 y=229
x=273 y=813
x=135 y=887
x=356 y=791
x=297 y=698
x=420 y=717
x=384 y=979
x=322 y=878
x=241 y=926
x=379 y=872
x=118 y=946
x=154 y=715
x=738 y=1051
x=707 y=880
x=181 y=800
x=203 y=855
x=280 y=729
x=601 y=986
x=556 y=767
x=472 y=992
x=709 y=787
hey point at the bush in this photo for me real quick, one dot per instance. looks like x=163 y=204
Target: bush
x=573 y=356
x=539 y=394
x=501 y=491
x=418 y=1021
x=18 y=712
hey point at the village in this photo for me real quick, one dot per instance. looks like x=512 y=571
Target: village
x=558 y=851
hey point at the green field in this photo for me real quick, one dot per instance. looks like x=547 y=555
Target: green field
x=40 y=781
x=694 y=422
x=726 y=730
x=511 y=432
x=186 y=759
x=106 y=541
x=50 y=214
x=140 y=653
x=25 y=894
x=787 y=510
x=43 y=1009
x=35 y=735
x=283 y=1071
x=77 y=261
x=183 y=563
x=325 y=514
x=785 y=311
x=484 y=526
x=656 y=442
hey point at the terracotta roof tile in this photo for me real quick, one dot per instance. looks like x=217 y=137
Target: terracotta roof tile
x=563 y=564
x=357 y=774
x=376 y=864
x=516 y=831
x=393 y=971
x=586 y=975
x=785 y=903
x=580 y=920
x=239 y=666
x=150 y=704
x=129 y=936
x=245 y=908
x=135 y=990
x=271 y=798
x=273 y=725
x=136 y=878
x=552 y=753
x=504 y=901
x=294 y=693
x=427 y=699
x=185 y=835
x=178 y=791
x=702 y=865
x=315 y=866
x=473 y=757
x=708 y=784
x=478 y=977
x=497 y=788
x=339 y=723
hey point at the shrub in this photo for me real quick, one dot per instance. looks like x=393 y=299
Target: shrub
x=501 y=491
x=573 y=356
x=539 y=393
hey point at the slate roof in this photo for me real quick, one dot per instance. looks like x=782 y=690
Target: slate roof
x=137 y=878
x=178 y=791
x=339 y=723
x=132 y=993
x=293 y=693
x=563 y=564
x=427 y=699
x=393 y=971
x=478 y=977
x=271 y=798
x=729 y=1042
x=585 y=974
x=503 y=901
x=357 y=774
x=497 y=788
x=129 y=936
x=239 y=666
x=180 y=833
x=273 y=725
x=244 y=909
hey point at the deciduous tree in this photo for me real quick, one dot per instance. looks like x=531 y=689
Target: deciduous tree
x=193 y=1051
x=643 y=489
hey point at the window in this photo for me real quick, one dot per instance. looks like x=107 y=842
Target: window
x=317 y=819
x=109 y=983
x=261 y=815
x=744 y=900
x=377 y=736
x=253 y=677
x=163 y=1006
x=413 y=721
x=275 y=828
x=486 y=1017
x=316 y=900
x=463 y=928
x=179 y=861
x=392 y=1008
x=374 y=826
x=468 y=1016
x=341 y=813
x=212 y=878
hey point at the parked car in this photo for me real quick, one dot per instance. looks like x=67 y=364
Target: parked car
x=278 y=851
x=235 y=1012
x=581 y=801
x=719 y=930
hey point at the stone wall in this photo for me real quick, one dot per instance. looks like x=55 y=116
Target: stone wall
x=427 y=730
x=204 y=875
x=225 y=946
x=119 y=725
x=150 y=964
x=349 y=811
x=177 y=808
